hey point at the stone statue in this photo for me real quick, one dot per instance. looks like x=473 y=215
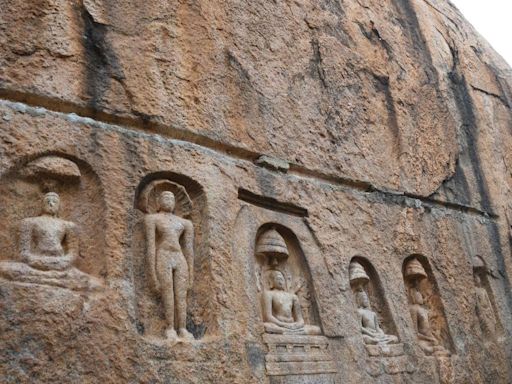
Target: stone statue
x=484 y=308
x=420 y=319
x=170 y=255
x=372 y=333
x=414 y=273
x=282 y=313
x=48 y=242
x=48 y=247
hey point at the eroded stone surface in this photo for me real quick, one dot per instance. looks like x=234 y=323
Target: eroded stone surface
x=391 y=119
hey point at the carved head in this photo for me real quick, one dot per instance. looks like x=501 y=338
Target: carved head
x=166 y=201
x=277 y=280
x=362 y=299
x=51 y=203
x=478 y=280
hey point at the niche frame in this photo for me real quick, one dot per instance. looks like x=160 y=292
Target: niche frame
x=432 y=300
x=150 y=317
x=377 y=295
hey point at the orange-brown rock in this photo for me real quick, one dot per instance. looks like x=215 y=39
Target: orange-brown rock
x=363 y=132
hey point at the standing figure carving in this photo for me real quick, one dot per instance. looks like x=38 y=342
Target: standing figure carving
x=170 y=256
x=48 y=248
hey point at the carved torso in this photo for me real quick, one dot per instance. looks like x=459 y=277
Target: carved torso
x=422 y=321
x=282 y=305
x=48 y=235
x=368 y=319
x=169 y=229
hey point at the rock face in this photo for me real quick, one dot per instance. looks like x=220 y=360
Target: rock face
x=340 y=206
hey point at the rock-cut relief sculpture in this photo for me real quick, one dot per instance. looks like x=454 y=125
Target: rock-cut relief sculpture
x=288 y=310
x=281 y=307
x=416 y=279
x=48 y=244
x=484 y=307
x=282 y=312
x=170 y=256
x=368 y=319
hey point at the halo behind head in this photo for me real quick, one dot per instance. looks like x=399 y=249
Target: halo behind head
x=147 y=201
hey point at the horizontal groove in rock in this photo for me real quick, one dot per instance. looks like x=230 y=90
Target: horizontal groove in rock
x=37 y=105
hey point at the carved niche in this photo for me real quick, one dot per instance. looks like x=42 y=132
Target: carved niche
x=170 y=224
x=289 y=311
x=485 y=306
x=377 y=326
x=51 y=229
x=426 y=308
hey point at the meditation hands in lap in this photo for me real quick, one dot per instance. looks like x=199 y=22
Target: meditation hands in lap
x=420 y=317
x=372 y=333
x=47 y=242
x=48 y=249
x=281 y=309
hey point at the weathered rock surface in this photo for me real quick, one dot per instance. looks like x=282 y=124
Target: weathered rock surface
x=368 y=130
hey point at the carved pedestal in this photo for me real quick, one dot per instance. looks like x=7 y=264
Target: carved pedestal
x=299 y=355
x=387 y=359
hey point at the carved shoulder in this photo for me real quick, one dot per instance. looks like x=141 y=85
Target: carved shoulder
x=27 y=222
x=150 y=219
x=70 y=225
x=187 y=223
x=267 y=295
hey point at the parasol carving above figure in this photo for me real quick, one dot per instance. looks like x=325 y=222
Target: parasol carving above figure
x=281 y=308
x=429 y=343
x=368 y=319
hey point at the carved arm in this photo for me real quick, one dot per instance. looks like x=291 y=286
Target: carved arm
x=297 y=313
x=71 y=240
x=150 y=230
x=188 y=250
x=26 y=241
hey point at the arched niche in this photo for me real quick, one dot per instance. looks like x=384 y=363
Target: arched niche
x=377 y=296
x=486 y=308
x=82 y=202
x=294 y=268
x=246 y=230
x=150 y=312
x=430 y=292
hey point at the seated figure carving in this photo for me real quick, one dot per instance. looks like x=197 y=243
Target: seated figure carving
x=420 y=317
x=282 y=313
x=48 y=247
x=372 y=333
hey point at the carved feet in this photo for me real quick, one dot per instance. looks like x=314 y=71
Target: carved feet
x=182 y=335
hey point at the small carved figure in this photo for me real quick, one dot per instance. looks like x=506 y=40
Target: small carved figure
x=372 y=333
x=48 y=247
x=48 y=242
x=414 y=273
x=420 y=318
x=484 y=308
x=170 y=254
x=282 y=313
